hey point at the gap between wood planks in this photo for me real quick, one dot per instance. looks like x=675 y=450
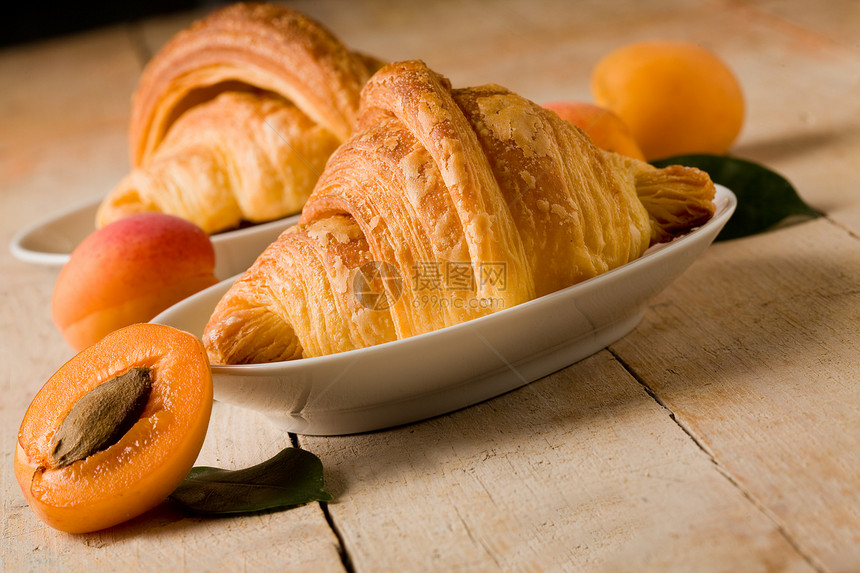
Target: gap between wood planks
x=848 y=230
x=342 y=551
x=810 y=559
x=345 y=559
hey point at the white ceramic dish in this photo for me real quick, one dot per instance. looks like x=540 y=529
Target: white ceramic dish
x=442 y=371
x=52 y=240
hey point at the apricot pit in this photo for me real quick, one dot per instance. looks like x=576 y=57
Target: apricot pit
x=101 y=417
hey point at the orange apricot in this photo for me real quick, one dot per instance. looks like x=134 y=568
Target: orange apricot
x=76 y=480
x=605 y=129
x=128 y=272
x=676 y=97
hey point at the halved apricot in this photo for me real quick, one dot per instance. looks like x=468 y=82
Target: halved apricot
x=113 y=432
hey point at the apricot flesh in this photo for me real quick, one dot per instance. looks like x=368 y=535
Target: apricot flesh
x=606 y=130
x=128 y=272
x=676 y=97
x=148 y=462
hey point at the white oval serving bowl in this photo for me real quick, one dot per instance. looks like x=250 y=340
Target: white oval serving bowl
x=52 y=240
x=438 y=372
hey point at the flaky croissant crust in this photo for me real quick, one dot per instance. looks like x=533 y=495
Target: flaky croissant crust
x=435 y=177
x=235 y=117
x=249 y=46
x=240 y=157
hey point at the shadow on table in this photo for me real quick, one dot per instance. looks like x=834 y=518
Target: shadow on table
x=786 y=147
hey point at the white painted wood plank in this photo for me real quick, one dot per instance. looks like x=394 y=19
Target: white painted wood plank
x=581 y=471
x=755 y=352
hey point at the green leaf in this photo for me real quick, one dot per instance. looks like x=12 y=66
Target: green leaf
x=766 y=199
x=293 y=477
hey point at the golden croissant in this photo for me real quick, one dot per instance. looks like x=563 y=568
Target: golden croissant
x=234 y=119
x=444 y=205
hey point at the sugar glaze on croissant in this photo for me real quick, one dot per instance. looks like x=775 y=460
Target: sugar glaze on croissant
x=434 y=179
x=235 y=117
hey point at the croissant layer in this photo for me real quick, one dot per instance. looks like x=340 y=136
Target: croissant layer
x=445 y=205
x=235 y=117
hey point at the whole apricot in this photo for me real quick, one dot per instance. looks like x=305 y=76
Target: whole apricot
x=605 y=129
x=676 y=97
x=128 y=272
x=116 y=429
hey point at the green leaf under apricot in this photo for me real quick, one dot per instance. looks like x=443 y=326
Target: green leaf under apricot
x=291 y=478
x=766 y=199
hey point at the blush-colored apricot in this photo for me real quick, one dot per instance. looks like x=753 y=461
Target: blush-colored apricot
x=148 y=461
x=128 y=272
x=676 y=97
x=605 y=129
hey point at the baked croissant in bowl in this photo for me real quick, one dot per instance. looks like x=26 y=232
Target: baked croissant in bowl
x=234 y=119
x=445 y=205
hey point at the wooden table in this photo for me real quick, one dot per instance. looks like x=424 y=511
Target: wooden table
x=723 y=434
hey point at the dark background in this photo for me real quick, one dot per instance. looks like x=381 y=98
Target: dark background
x=26 y=21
